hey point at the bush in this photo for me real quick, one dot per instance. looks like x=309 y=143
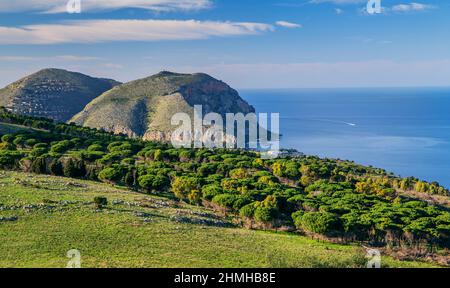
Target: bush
x=95 y=147
x=183 y=186
x=225 y=200
x=74 y=168
x=152 y=182
x=265 y=214
x=56 y=167
x=30 y=142
x=248 y=210
x=8 y=138
x=100 y=202
x=7 y=146
x=36 y=152
x=209 y=191
x=39 y=166
x=60 y=147
x=318 y=222
x=110 y=175
x=19 y=141
x=9 y=159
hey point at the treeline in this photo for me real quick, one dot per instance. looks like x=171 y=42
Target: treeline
x=331 y=198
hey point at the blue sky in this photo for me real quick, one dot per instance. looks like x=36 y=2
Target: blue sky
x=246 y=43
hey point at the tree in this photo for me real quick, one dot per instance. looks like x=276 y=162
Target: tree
x=319 y=222
x=248 y=210
x=264 y=214
x=209 y=191
x=110 y=175
x=183 y=186
x=74 y=168
x=153 y=182
x=56 y=167
x=39 y=165
x=8 y=138
x=225 y=200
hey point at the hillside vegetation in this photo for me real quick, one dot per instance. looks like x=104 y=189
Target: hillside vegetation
x=48 y=216
x=334 y=200
x=53 y=93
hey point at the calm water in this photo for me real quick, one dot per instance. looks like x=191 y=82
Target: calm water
x=406 y=131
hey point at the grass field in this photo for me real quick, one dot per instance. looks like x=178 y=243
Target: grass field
x=45 y=216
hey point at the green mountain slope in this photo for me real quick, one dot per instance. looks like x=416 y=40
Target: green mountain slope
x=53 y=93
x=144 y=107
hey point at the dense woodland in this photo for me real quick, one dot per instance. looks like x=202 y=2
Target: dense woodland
x=320 y=197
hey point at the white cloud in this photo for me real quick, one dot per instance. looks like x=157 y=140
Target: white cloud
x=411 y=7
x=338 y=11
x=286 y=24
x=95 y=31
x=338 y=2
x=74 y=58
x=59 y=6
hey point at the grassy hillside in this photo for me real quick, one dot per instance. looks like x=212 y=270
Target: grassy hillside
x=329 y=199
x=56 y=214
x=144 y=107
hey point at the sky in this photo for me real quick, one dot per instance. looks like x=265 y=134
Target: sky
x=246 y=43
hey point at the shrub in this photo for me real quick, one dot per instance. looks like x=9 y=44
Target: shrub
x=8 y=138
x=74 y=168
x=36 y=152
x=95 y=147
x=7 y=146
x=225 y=200
x=152 y=182
x=195 y=196
x=318 y=222
x=9 y=159
x=40 y=146
x=60 y=147
x=183 y=186
x=248 y=210
x=56 y=167
x=30 y=142
x=110 y=175
x=265 y=214
x=209 y=191
x=39 y=166
x=100 y=202
x=19 y=141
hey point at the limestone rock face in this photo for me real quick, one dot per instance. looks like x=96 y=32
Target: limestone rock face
x=144 y=108
x=53 y=93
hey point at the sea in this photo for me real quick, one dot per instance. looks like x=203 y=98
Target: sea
x=402 y=130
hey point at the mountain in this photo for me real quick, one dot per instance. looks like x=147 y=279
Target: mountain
x=53 y=93
x=143 y=108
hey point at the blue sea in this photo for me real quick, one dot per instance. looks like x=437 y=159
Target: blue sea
x=403 y=130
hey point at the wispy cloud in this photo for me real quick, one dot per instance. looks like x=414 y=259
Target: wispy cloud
x=411 y=7
x=286 y=24
x=75 y=58
x=95 y=31
x=338 y=2
x=58 y=6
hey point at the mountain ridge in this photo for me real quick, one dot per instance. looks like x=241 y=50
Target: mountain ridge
x=143 y=107
x=53 y=93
